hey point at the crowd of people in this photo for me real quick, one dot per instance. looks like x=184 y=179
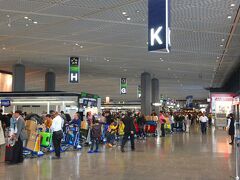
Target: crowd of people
x=116 y=128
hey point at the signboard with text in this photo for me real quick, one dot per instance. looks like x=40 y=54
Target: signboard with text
x=74 y=70
x=123 y=86
x=158 y=25
x=5 y=103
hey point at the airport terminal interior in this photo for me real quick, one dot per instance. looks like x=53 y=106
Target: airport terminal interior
x=119 y=89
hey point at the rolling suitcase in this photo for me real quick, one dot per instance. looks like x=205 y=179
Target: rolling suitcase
x=9 y=153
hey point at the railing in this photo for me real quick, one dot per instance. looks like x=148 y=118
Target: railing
x=237 y=145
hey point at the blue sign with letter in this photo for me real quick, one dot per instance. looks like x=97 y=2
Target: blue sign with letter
x=158 y=25
x=5 y=102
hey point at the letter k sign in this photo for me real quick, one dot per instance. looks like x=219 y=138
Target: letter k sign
x=155 y=36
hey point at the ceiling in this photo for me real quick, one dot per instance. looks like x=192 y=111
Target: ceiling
x=111 y=47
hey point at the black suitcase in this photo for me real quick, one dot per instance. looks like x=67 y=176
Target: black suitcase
x=9 y=153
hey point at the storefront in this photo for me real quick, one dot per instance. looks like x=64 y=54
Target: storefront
x=221 y=106
x=43 y=102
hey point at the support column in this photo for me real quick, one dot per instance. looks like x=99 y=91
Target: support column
x=146 y=93
x=155 y=94
x=50 y=81
x=18 y=78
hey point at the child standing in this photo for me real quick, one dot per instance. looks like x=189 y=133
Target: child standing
x=112 y=129
x=121 y=127
x=95 y=136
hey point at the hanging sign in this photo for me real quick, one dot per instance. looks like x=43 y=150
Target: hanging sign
x=74 y=70
x=158 y=26
x=5 y=103
x=123 y=86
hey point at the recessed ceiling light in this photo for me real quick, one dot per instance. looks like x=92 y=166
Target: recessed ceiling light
x=128 y=18
x=221 y=45
x=9 y=25
x=8 y=16
x=81 y=47
x=29 y=19
x=124 y=12
x=162 y=60
x=25 y=17
x=27 y=25
x=232 y=5
x=137 y=11
x=3 y=48
x=218 y=57
x=229 y=17
x=35 y=22
x=223 y=40
x=77 y=44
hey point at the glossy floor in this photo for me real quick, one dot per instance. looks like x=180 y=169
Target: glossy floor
x=180 y=156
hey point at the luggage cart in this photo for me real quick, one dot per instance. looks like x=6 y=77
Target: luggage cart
x=71 y=138
x=151 y=128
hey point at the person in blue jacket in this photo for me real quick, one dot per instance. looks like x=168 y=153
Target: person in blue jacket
x=76 y=122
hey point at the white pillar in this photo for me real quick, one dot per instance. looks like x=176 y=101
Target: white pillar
x=14 y=108
x=48 y=107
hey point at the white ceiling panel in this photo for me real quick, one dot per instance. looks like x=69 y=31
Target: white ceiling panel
x=111 y=46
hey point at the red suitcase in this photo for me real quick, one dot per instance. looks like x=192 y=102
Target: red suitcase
x=150 y=128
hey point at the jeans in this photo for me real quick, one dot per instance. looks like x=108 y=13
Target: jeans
x=110 y=138
x=94 y=141
x=163 y=130
x=172 y=126
x=141 y=132
x=204 y=127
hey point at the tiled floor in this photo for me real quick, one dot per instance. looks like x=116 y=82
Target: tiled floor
x=177 y=157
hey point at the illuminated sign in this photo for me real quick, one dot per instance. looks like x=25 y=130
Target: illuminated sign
x=158 y=26
x=5 y=103
x=123 y=86
x=74 y=70
x=139 y=93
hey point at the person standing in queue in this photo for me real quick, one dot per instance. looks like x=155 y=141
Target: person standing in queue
x=128 y=131
x=162 y=121
x=203 y=120
x=231 y=128
x=19 y=135
x=56 y=128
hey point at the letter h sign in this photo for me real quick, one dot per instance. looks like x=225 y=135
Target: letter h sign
x=74 y=70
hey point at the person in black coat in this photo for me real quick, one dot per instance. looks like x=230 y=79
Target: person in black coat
x=231 y=127
x=129 y=130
